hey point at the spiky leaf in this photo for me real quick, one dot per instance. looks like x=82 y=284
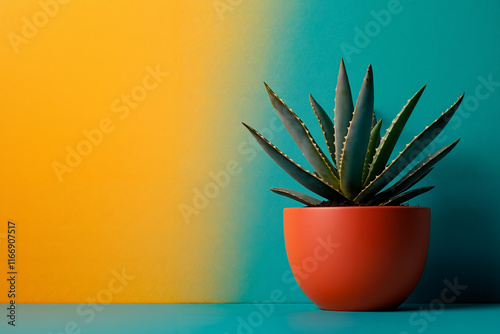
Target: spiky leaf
x=414 y=175
x=412 y=150
x=398 y=200
x=326 y=126
x=297 y=195
x=374 y=122
x=304 y=177
x=388 y=142
x=344 y=108
x=385 y=197
x=374 y=119
x=304 y=140
x=356 y=143
x=372 y=145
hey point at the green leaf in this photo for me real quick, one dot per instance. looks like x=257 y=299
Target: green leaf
x=416 y=174
x=398 y=200
x=304 y=177
x=374 y=140
x=297 y=195
x=412 y=150
x=326 y=126
x=388 y=142
x=379 y=198
x=356 y=143
x=303 y=139
x=342 y=112
x=374 y=122
x=374 y=119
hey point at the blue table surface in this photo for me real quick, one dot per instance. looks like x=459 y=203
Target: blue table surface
x=248 y=319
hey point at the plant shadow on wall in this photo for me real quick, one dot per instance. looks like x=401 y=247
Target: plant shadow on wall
x=465 y=238
x=382 y=243
x=463 y=247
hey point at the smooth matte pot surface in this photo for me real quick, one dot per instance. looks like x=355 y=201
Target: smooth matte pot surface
x=357 y=258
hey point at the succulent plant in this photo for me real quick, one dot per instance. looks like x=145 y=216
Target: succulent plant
x=358 y=170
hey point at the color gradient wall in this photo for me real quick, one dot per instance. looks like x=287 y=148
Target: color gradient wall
x=130 y=178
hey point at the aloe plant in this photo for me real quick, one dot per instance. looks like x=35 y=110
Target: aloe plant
x=356 y=169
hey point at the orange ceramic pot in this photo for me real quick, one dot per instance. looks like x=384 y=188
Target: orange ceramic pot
x=357 y=258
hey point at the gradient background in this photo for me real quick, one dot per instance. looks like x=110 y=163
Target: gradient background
x=122 y=207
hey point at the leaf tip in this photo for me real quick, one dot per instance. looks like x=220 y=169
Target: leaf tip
x=342 y=66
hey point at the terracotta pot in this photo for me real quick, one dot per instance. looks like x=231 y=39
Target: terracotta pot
x=357 y=258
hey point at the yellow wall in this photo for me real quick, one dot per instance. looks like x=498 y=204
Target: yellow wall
x=80 y=221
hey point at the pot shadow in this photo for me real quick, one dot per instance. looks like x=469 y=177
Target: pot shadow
x=418 y=307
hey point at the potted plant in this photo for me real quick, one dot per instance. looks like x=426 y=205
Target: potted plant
x=359 y=248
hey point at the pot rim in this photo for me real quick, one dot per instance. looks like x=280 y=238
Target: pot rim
x=374 y=207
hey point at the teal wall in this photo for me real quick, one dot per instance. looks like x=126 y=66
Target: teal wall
x=453 y=47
